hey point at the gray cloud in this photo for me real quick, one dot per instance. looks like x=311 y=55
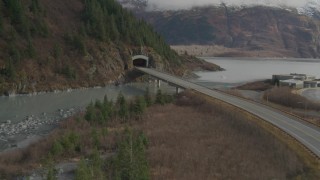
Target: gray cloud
x=185 y=4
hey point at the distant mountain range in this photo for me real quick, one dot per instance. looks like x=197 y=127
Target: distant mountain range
x=310 y=8
x=266 y=31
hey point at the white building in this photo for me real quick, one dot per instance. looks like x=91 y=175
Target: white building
x=295 y=80
x=293 y=83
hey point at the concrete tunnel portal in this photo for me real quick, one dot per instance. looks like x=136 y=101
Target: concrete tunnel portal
x=140 y=61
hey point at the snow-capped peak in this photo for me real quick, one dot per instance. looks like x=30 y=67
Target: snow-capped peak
x=306 y=7
x=311 y=7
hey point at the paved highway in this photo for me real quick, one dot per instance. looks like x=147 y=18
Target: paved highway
x=306 y=133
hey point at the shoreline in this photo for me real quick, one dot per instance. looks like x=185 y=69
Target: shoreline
x=32 y=128
x=261 y=59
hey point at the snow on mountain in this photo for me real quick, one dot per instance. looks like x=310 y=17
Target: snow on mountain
x=307 y=7
x=312 y=8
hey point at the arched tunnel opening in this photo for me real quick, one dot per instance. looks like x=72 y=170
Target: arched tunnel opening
x=140 y=63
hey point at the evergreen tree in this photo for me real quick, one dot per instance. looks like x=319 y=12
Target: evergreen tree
x=123 y=162
x=123 y=110
x=147 y=97
x=35 y=7
x=107 y=108
x=160 y=98
x=51 y=173
x=14 y=54
x=141 y=167
x=31 y=51
x=106 y=19
x=16 y=10
x=82 y=172
x=1 y=21
x=96 y=166
x=114 y=33
x=131 y=162
x=57 y=148
x=139 y=105
x=10 y=70
x=57 y=51
x=90 y=113
x=95 y=138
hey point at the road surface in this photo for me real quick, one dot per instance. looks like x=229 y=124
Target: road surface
x=306 y=133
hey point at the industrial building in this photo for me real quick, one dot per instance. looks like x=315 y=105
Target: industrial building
x=295 y=80
x=311 y=84
x=293 y=83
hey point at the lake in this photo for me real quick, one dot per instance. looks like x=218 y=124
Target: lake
x=242 y=70
x=238 y=71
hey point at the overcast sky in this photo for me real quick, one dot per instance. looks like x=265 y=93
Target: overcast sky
x=184 y=4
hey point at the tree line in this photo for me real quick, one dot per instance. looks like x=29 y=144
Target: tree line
x=122 y=109
x=106 y=20
x=18 y=30
x=130 y=159
x=22 y=21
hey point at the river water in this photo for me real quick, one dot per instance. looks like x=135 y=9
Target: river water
x=27 y=115
x=26 y=118
x=21 y=106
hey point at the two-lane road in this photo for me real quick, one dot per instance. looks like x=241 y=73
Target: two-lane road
x=306 y=133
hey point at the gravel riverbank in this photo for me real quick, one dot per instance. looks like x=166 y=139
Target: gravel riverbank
x=31 y=128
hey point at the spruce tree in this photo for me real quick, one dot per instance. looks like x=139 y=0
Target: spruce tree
x=123 y=110
x=139 y=105
x=147 y=97
x=160 y=98
x=83 y=172
x=1 y=21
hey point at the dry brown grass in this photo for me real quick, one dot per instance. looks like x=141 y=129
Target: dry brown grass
x=285 y=97
x=23 y=161
x=256 y=86
x=195 y=139
x=192 y=139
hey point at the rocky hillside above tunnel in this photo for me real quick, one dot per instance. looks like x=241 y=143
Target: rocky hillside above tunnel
x=50 y=45
x=248 y=31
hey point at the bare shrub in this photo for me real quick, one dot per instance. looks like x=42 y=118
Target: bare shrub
x=198 y=139
x=256 y=86
x=285 y=97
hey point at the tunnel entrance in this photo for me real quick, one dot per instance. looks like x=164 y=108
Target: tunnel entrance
x=140 y=61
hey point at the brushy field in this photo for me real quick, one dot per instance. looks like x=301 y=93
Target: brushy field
x=104 y=130
x=197 y=139
x=256 y=86
x=285 y=97
x=188 y=138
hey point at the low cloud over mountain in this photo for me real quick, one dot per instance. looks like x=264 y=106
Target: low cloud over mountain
x=186 y=4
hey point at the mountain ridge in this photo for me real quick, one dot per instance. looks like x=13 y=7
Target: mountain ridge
x=55 y=45
x=308 y=7
x=247 y=31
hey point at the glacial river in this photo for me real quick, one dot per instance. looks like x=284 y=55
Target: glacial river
x=21 y=106
x=237 y=72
